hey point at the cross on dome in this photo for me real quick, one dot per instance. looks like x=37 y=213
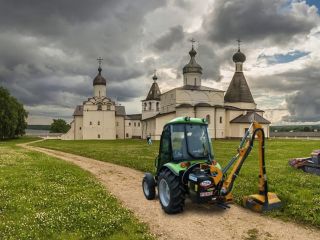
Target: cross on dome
x=239 y=42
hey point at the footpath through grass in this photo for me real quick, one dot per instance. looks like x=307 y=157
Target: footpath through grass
x=42 y=197
x=299 y=192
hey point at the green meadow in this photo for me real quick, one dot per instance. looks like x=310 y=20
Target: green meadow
x=299 y=192
x=42 y=197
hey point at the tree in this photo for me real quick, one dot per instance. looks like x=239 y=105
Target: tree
x=59 y=126
x=12 y=116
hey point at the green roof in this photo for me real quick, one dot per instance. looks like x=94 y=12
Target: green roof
x=188 y=120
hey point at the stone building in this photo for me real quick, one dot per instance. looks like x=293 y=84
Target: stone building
x=101 y=118
x=228 y=113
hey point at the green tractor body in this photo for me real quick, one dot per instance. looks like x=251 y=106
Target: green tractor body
x=185 y=145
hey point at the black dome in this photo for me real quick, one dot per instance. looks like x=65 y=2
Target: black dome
x=192 y=66
x=99 y=80
x=239 y=57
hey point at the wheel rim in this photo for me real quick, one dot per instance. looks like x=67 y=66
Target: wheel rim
x=164 y=192
x=146 y=188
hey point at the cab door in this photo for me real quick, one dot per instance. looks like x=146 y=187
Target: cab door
x=165 y=155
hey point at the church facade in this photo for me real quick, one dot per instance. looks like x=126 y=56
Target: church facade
x=228 y=113
x=101 y=118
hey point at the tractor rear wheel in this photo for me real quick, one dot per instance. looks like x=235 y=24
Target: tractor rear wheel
x=149 y=186
x=171 y=192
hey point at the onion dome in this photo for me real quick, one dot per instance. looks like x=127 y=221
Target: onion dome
x=99 y=80
x=192 y=66
x=239 y=57
x=155 y=78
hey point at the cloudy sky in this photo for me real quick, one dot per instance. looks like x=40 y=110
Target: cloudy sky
x=48 y=51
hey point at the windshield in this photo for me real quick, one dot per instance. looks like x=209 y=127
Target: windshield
x=190 y=141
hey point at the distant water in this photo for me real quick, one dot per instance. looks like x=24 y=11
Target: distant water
x=32 y=132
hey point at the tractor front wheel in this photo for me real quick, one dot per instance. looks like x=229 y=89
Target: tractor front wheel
x=149 y=186
x=171 y=192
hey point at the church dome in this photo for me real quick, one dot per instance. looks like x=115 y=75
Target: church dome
x=239 y=57
x=192 y=66
x=99 y=80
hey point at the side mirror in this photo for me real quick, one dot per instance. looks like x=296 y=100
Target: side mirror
x=156 y=161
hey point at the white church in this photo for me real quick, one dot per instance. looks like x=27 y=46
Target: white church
x=228 y=113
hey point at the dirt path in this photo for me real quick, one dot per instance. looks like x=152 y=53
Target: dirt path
x=197 y=221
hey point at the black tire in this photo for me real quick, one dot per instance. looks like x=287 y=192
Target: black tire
x=149 y=186
x=176 y=191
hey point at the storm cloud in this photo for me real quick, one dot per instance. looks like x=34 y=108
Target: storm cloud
x=165 y=42
x=275 y=21
x=49 y=49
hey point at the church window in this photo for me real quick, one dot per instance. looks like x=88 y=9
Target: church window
x=99 y=107
x=135 y=124
x=220 y=119
x=98 y=135
x=90 y=123
x=157 y=106
x=149 y=105
x=208 y=119
x=98 y=122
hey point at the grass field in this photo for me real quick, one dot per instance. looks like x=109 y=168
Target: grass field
x=299 y=192
x=45 y=198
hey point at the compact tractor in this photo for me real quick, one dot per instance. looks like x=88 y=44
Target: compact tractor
x=186 y=166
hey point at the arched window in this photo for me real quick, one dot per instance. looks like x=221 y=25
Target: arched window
x=129 y=123
x=135 y=124
x=145 y=106
x=98 y=122
x=158 y=104
x=208 y=119
x=138 y=124
x=98 y=135
x=99 y=106
x=220 y=119
x=149 y=105
x=127 y=135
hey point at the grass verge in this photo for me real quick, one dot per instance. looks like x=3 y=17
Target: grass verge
x=299 y=192
x=42 y=197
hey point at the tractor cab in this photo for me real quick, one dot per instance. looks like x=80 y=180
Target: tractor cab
x=184 y=139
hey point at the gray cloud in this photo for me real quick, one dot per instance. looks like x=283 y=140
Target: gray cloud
x=301 y=90
x=274 y=21
x=49 y=49
x=166 y=41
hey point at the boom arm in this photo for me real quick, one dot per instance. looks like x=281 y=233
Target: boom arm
x=244 y=150
x=264 y=200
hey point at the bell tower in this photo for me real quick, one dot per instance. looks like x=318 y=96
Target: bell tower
x=151 y=105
